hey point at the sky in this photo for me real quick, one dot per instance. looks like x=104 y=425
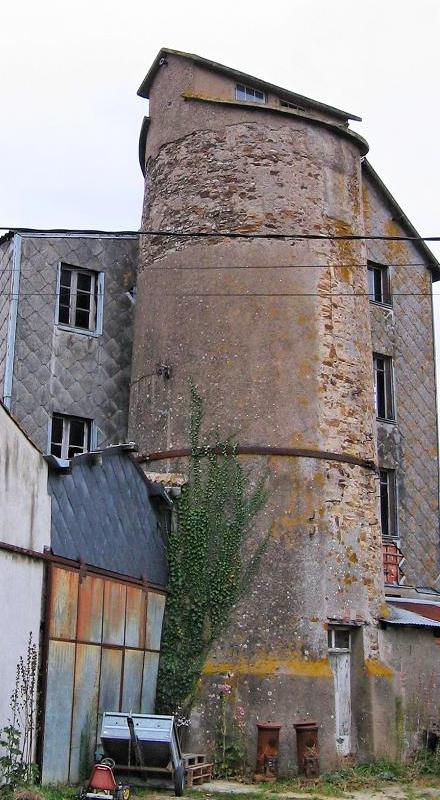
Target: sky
x=69 y=72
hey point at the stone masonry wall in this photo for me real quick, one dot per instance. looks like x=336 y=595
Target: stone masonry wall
x=276 y=336
x=68 y=372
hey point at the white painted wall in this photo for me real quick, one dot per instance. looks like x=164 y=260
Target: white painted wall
x=24 y=521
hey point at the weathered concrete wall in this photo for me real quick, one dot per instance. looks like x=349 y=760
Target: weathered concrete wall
x=279 y=362
x=413 y=654
x=5 y=303
x=409 y=445
x=69 y=372
x=24 y=521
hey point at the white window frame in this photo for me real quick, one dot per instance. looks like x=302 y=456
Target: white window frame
x=90 y=434
x=251 y=90
x=98 y=296
x=332 y=647
x=389 y=396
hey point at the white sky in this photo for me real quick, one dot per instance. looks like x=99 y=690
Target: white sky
x=70 y=69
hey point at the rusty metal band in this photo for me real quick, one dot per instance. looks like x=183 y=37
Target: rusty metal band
x=70 y=563
x=261 y=450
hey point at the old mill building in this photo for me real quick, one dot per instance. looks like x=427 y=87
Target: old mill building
x=316 y=351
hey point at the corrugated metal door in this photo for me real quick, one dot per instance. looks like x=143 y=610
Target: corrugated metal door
x=103 y=655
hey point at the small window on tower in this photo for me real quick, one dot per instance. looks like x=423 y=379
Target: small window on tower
x=339 y=639
x=243 y=92
x=80 y=299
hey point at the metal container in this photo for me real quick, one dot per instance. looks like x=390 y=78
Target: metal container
x=146 y=744
x=307 y=747
x=267 y=751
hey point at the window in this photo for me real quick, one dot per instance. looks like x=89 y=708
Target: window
x=388 y=504
x=383 y=386
x=247 y=93
x=80 y=298
x=69 y=436
x=379 y=283
x=286 y=104
x=339 y=639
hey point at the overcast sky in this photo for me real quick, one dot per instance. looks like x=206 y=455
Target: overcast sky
x=69 y=72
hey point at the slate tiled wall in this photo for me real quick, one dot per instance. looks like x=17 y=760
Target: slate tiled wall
x=68 y=372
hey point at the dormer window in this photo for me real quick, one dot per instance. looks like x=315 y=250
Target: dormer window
x=243 y=92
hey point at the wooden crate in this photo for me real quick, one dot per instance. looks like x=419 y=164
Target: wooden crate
x=201 y=773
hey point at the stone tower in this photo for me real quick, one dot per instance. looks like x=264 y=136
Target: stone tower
x=275 y=333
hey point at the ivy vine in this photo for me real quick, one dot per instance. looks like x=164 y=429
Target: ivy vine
x=208 y=567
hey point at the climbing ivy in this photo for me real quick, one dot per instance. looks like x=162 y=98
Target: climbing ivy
x=208 y=568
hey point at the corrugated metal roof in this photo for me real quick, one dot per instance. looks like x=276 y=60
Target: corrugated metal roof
x=102 y=514
x=400 y=616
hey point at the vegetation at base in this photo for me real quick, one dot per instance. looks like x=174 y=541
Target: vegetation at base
x=208 y=568
x=425 y=768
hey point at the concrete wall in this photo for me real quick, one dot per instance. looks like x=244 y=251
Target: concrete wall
x=405 y=333
x=24 y=521
x=286 y=370
x=413 y=654
x=62 y=371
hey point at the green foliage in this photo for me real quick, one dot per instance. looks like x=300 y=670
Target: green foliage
x=208 y=570
x=230 y=752
x=17 y=737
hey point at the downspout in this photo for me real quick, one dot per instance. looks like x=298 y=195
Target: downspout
x=12 y=322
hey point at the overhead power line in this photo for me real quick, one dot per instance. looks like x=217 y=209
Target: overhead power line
x=244 y=267
x=221 y=234
x=245 y=294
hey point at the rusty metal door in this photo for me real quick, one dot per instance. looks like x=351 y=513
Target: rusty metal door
x=103 y=641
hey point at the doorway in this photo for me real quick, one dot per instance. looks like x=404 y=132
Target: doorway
x=339 y=645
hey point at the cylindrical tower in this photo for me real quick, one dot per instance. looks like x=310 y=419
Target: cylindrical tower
x=275 y=334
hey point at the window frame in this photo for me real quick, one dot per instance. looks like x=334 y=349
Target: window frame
x=98 y=295
x=387 y=477
x=373 y=267
x=90 y=435
x=387 y=401
x=331 y=639
x=251 y=89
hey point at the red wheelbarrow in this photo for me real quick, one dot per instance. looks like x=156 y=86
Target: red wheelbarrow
x=102 y=784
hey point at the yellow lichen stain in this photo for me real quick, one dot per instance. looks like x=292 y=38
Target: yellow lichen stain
x=349 y=579
x=271 y=665
x=378 y=669
x=384 y=611
x=351 y=555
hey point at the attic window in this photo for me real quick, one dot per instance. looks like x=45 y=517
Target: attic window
x=293 y=106
x=243 y=92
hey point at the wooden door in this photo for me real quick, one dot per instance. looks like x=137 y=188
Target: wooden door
x=340 y=663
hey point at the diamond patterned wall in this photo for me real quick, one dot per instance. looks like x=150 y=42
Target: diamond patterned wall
x=68 y=372
x=410 y=445
x=5 y=298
